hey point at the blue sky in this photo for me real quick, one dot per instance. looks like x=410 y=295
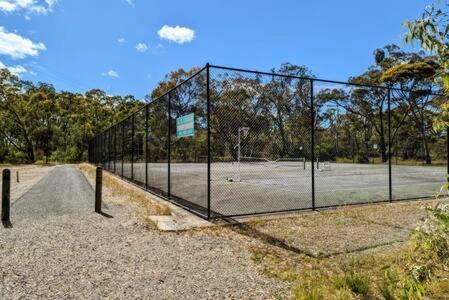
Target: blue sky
x=127 y=46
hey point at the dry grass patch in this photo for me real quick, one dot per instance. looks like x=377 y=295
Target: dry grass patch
x=416 y=269
x=116 y=191
x=346 y=229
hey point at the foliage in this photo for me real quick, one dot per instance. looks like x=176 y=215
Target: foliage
x=418 y=270
x=39 y=123
x=432 y=30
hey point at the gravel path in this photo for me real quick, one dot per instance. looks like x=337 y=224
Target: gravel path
x=64 y=190
x=58 y=248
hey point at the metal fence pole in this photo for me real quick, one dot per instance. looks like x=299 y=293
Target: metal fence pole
x=146 y=147
x=169 y=147
x=208 y=139
x=447 y=152
x=132 y=148
x=123 y=146
x=312 y=140
x=100 y=158
x=390 y=185
x=108 y=148
x=115 y=147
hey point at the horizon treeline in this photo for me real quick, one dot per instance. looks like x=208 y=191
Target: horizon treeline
x=39 y=123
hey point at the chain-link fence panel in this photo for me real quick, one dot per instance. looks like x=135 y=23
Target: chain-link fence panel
x=260 y=143
x=188 y=138
x=139 y=148
x=127 y=147
x=157 y=154
x=351 y=144
x=419 y=159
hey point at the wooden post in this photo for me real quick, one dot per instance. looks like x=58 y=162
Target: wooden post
x=6 y=195
x=98 y=188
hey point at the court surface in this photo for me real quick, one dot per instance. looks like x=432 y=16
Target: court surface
x=269 y=187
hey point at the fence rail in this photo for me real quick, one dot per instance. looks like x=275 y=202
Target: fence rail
x=229 y=142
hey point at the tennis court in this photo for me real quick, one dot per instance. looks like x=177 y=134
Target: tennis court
x=230 y=142
x=275 y=186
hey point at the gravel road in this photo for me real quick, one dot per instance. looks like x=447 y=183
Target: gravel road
x=58 y=248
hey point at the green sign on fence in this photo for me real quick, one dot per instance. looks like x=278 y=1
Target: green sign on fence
x=185 y=126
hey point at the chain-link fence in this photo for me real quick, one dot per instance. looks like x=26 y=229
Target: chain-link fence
x=228 y=142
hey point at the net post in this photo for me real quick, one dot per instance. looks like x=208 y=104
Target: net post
x=146 y=147
x=390 y=185
x=169 y=146
x=312 y=140
x=208 y=138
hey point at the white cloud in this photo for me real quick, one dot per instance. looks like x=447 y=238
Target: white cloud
x=111 y=73
x=176 y=34
x=141 y=47
x=16 y=70
x=38 y=7
x=130 y=2
x=16 y=46
x=121 y=40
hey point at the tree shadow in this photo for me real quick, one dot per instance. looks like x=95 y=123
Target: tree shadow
x=250 y=231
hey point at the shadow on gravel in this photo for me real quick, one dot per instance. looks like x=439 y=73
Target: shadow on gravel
x=106 y=215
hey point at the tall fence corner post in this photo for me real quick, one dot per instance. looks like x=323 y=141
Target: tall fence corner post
x=390 y=183
x=208 y=141
x=169 y=146
x=447 y=153
x=312 y=141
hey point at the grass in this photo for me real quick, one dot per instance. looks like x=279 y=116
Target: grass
x=416 y=269
x=119 y=192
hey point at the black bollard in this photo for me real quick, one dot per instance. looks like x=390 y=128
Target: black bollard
x=17 y=176
x=98 y=187
x=6 y=195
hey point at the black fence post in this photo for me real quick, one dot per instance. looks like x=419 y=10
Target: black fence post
x=390 y=184
x=98 y=188
x=146 y=147
x=6 y=195
x=115 y=147
x=312 y=140
x=123 y=146
x=208 y=139
x=169 y=147
x=447 y=152
x=132 y=147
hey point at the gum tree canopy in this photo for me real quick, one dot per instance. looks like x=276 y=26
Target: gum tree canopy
x=431 y=31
